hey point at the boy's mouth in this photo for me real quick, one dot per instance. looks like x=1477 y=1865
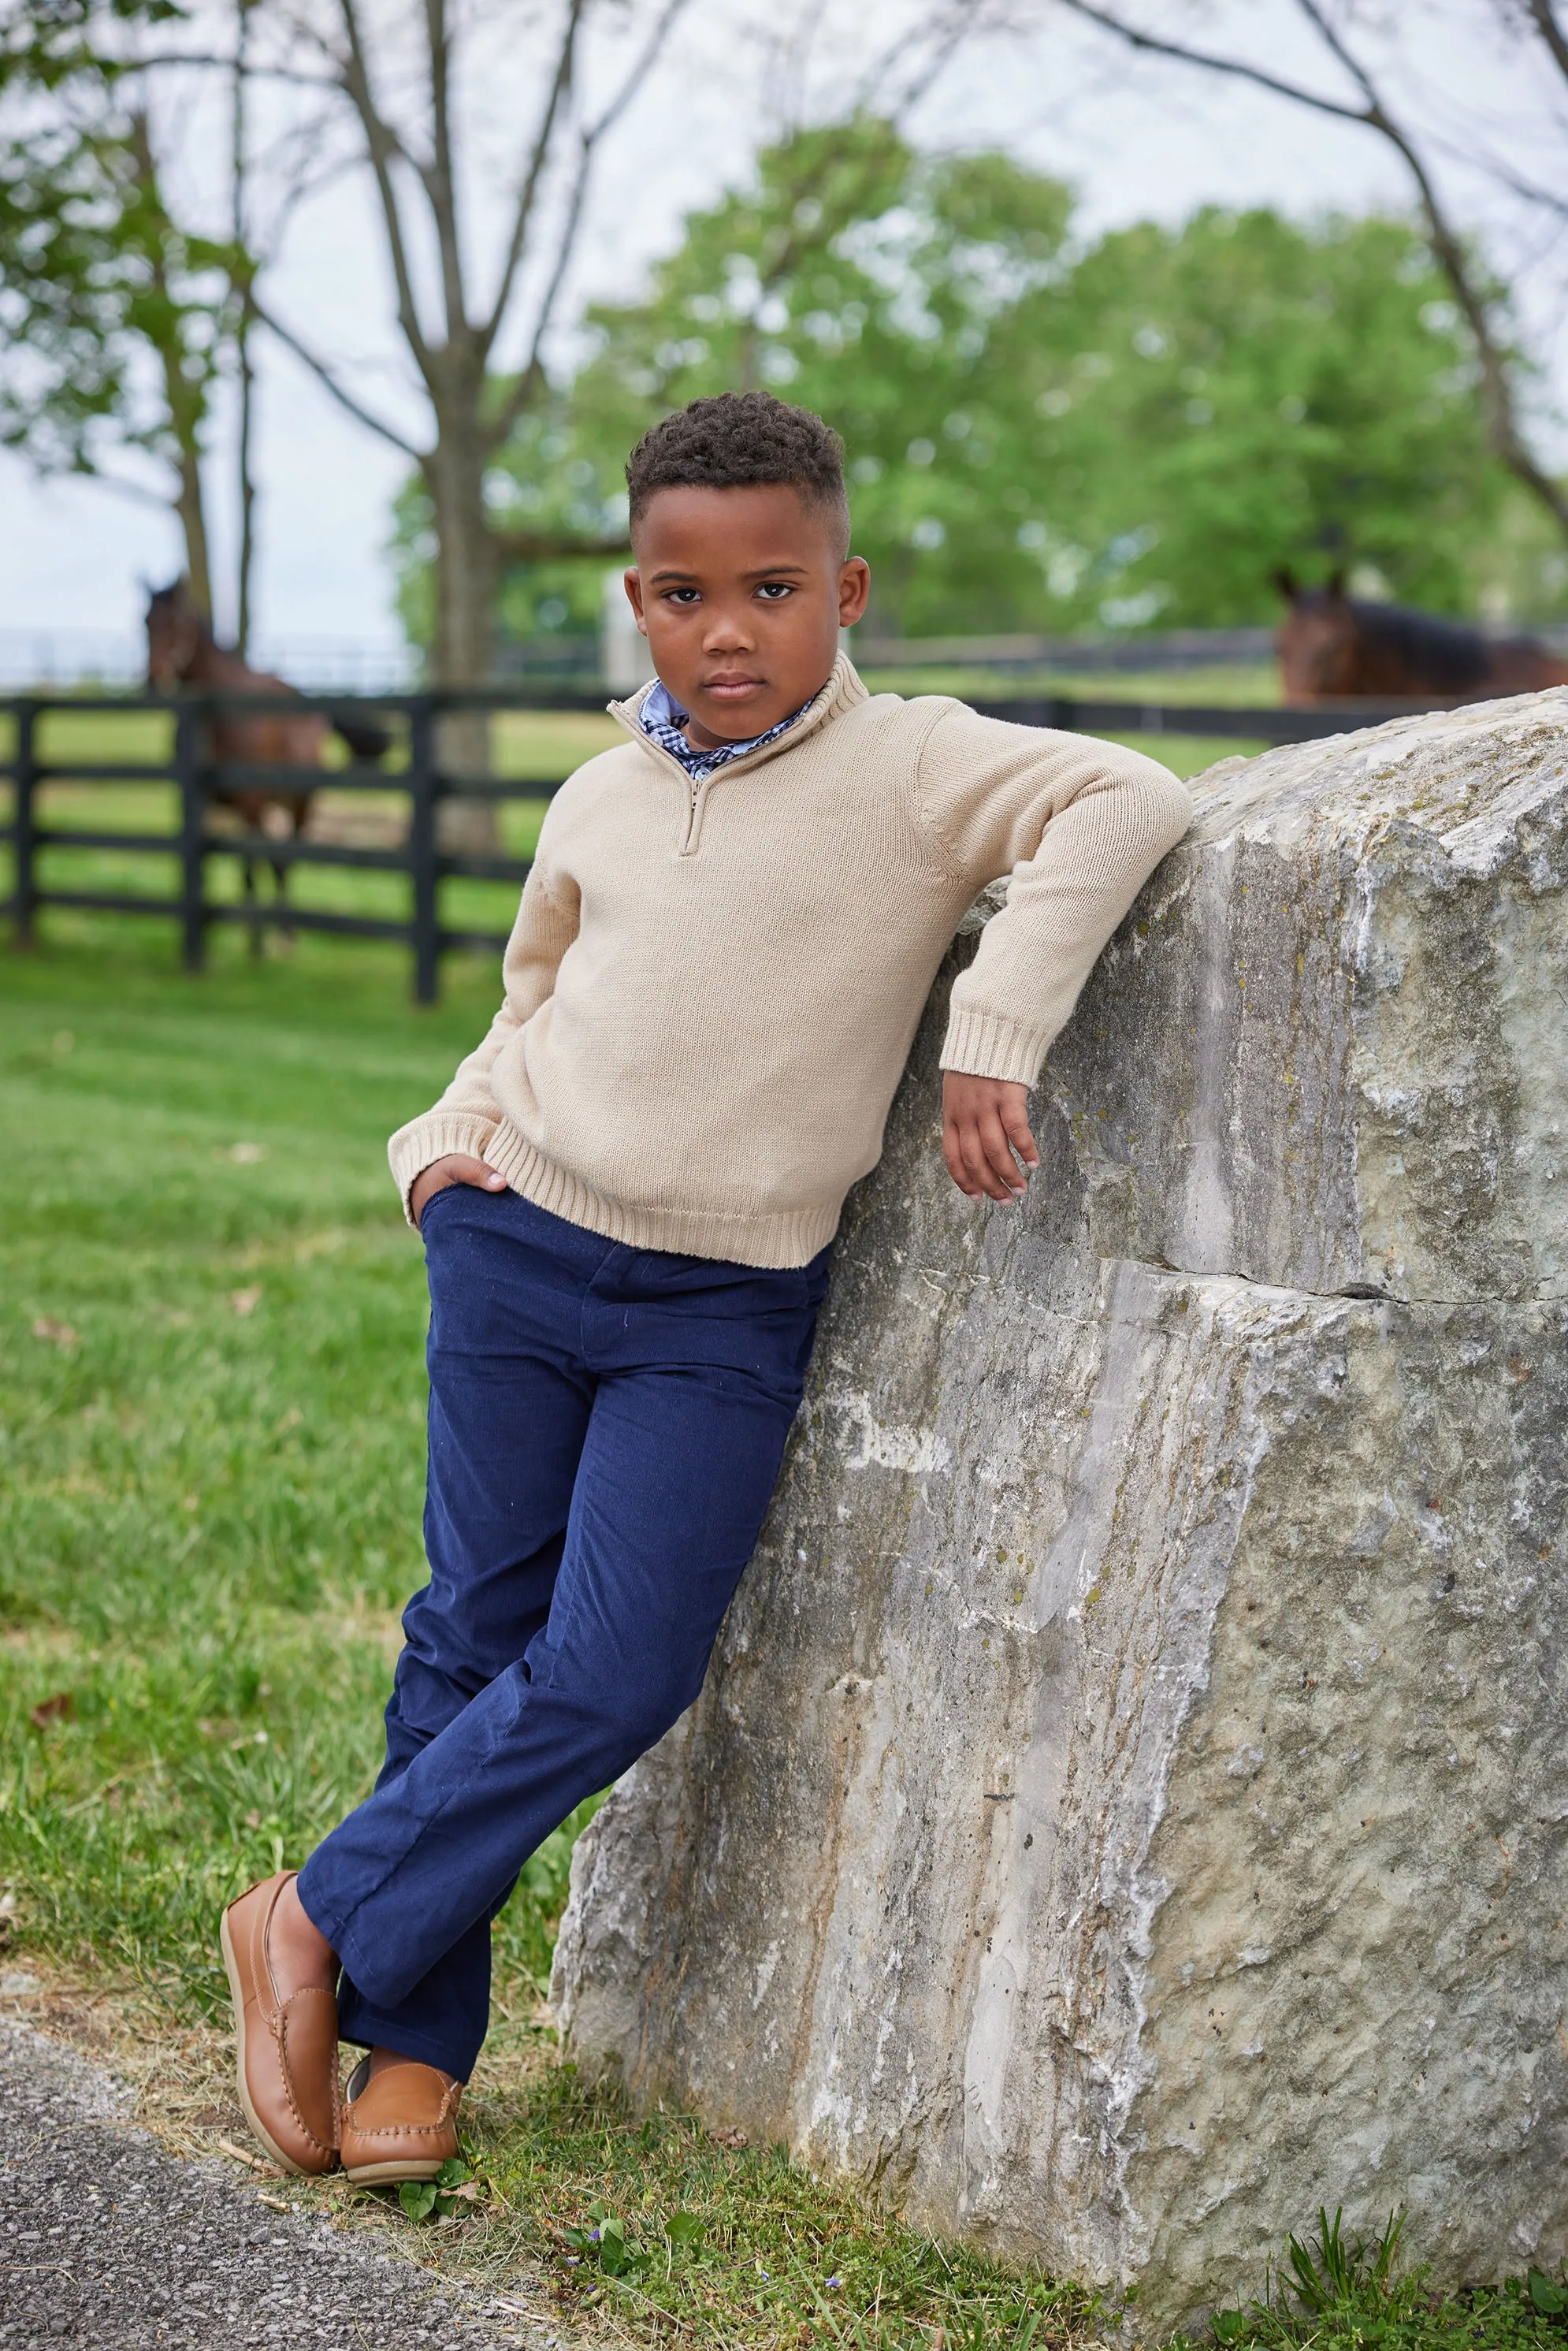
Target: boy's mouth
x=733 y=689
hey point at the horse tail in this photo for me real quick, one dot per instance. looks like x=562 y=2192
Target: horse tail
x=365 y=737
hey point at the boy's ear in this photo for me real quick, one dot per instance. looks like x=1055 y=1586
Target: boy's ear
x=632 y=582
x=854 y=587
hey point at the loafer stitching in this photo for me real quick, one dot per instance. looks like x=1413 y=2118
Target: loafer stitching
x=275 y=2010
x=445 y=2123
x=279 y=2024
x=398 y=2130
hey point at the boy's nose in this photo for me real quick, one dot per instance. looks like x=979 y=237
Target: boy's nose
x=727 y=633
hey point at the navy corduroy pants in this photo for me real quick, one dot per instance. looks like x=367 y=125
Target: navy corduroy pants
x=606 y=1427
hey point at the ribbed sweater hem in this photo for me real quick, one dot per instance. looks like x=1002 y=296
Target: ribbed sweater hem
x=986 y=1045
x=790 y=1237
x=423 y=1141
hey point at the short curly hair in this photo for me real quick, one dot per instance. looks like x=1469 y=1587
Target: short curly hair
x=737 y=439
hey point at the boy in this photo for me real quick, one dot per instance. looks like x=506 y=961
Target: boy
x=628 y=1195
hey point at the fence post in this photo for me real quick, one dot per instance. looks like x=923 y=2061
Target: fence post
x=192 y=834
x=24 y=841
x=422 y=862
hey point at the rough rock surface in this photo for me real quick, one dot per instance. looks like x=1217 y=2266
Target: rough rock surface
x=111 y=2241
x=1127 y=1808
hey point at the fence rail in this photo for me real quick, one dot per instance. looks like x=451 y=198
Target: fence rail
x=201 y=781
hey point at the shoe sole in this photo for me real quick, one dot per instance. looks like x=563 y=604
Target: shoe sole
x=381 y=2175
x=284 y=2162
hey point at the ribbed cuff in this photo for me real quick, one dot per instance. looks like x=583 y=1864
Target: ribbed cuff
x=417 y=1145
x=985 y=1045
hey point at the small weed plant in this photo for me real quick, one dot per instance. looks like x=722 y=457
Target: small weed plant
x=1337 y=2291
x=442 y=2198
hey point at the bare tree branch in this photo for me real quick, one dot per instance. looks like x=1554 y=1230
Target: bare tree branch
x=324 y=375
x=945 y=29
x=1137 y=39
x=642 y=65
x=382 y=145
x=531 y=374
x=1544 y=18
x=158 y=62
x=440 y=184
x=300 y=185
x=1497 y=388
x=522 y=218
x=1529 y=191
x=122 y=486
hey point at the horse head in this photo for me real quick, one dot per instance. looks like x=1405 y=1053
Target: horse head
x=1317 y=642
x=175 y=633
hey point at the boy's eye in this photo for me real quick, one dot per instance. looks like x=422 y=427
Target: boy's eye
x=775 y=591
x=681 y=596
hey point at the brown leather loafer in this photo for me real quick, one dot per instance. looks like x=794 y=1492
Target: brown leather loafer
x=402 y=2125
x=287 y=2048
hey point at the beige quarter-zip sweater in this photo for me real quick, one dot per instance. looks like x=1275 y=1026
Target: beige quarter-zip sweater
x=711 y=990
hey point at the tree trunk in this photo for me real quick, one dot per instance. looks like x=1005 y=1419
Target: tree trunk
x=466 y=582
x=186 y=401
x=247 y=479
x=194 y=523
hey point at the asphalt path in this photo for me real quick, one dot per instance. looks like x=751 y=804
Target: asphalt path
x=107 y=2238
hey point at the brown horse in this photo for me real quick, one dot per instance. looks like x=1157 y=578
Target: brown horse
x=1333 y=647
x=183 y=651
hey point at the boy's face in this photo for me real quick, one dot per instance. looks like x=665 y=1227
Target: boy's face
x=741 y=596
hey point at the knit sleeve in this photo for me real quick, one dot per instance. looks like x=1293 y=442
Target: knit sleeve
x=1079 y=826
x=467 y=1113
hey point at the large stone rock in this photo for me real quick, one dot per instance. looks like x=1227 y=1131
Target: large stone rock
x=1127 y=1807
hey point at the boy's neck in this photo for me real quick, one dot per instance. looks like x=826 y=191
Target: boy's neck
x=701 y=739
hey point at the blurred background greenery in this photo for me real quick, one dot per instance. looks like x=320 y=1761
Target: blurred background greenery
x=1068 y=411
x=1045 y=433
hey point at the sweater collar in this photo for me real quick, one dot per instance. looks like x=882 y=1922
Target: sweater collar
x=842 y=691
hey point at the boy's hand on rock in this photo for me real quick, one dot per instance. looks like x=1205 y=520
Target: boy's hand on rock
x=457 y=1167
x=985 y=1120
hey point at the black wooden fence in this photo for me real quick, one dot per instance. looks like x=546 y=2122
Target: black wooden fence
x=414 y=721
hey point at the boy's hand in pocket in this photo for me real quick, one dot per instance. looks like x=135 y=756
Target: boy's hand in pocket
x=457 y=1167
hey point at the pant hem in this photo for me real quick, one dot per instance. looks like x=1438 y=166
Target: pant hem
x=377 y=2032
x=322 y=1920
x=356 y=1962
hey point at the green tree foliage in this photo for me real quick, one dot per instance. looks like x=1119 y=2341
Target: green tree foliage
x=1043 y=434
x=115 y=318
x=1245 y=391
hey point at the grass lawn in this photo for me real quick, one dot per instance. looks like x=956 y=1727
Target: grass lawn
x=211 y=1458
x=211 y=1417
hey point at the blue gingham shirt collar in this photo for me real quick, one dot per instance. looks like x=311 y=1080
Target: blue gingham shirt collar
x=661 y=719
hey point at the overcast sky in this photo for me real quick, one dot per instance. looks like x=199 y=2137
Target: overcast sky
x=1135 y=139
